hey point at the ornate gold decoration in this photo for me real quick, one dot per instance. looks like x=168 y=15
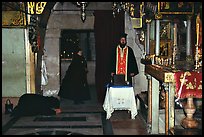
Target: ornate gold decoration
x=36 y=7
x=158 y=16
x=13 y=19
x=136 y=22
x=168 y=77
x=148 y=20
x=176 y=7
x=200 y=86
x=190 y=86
x=123 y=6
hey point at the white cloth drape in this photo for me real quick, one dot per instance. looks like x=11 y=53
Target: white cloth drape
x=120 y=98
x=44 y=78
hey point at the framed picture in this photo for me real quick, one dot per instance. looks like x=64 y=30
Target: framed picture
x=13 y=19
x=136 y=23
x=12 y=15
x=175 y=7
x=166 y=48
x=165 y=30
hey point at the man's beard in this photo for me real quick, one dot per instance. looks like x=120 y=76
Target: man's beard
x=122 y=45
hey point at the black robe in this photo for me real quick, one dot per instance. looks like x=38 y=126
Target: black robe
x=74 y=85
x=36 y=104
x=131 y=66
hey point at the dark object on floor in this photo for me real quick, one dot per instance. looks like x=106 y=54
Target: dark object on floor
x=60 y=119
x=35 y=104
x=8 y=107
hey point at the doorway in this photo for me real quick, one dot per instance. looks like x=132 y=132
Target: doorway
x=84 y=39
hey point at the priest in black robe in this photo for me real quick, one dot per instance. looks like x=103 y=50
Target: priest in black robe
x=123 y=60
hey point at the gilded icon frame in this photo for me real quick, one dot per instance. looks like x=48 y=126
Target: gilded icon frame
x=175 y=8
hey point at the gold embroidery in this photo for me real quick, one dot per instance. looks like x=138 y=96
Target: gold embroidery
x=168 y=77
x=190 y=86
x=200 y=87
x=184 y=81
x=182 y=75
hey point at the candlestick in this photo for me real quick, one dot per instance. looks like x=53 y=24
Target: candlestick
x=175 y=34
x=198 y=20
x=197 y=31
x=174 y=57
x=197 y=42
x=196 y=58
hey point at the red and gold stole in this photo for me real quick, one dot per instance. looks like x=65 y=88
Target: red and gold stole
x=121 y=61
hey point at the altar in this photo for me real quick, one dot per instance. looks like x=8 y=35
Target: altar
x=178 y=84
x=120 y=98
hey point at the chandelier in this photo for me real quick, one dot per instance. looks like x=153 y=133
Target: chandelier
x=83 y=6
x=117 y=7
x=123 y=6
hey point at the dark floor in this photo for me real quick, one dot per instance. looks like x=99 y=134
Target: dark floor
x=83 y=119
x=86 y=119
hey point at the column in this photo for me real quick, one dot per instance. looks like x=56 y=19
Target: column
x=188 y=39
x=166 y=88
x=148 y=37
x=155 y=106
x=171 y=100
x=189 y=57
x=174 y=46
x=157 y=37
x=149 y=95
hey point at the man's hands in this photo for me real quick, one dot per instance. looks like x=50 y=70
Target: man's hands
x=58 y=110
x=132 y=74
x=112 y=73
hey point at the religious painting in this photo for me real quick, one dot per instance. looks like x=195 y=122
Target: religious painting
x=136 y=23
x=175 y=7
x=13 y=19
x=165 y=28
x=137 y=15
x=165 y=48
x=13 y=14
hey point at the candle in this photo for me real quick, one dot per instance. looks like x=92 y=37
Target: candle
x=197 y=31
x=197 y=28
x=175 y=34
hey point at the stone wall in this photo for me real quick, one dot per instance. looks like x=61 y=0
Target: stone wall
x=139 y=81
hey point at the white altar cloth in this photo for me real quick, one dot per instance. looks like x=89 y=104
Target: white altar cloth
x=120 y=98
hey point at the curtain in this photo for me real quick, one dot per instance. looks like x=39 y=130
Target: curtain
x=107 y=32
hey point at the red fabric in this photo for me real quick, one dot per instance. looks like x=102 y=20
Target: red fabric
x=192 y=87
x=122 y=65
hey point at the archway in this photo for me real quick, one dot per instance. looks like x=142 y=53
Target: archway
x=111 y=28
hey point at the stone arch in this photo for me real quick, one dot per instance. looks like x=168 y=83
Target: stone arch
x=53 y=23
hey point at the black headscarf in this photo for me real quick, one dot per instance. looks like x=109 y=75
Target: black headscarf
x=123 y=35
x=76 y=49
